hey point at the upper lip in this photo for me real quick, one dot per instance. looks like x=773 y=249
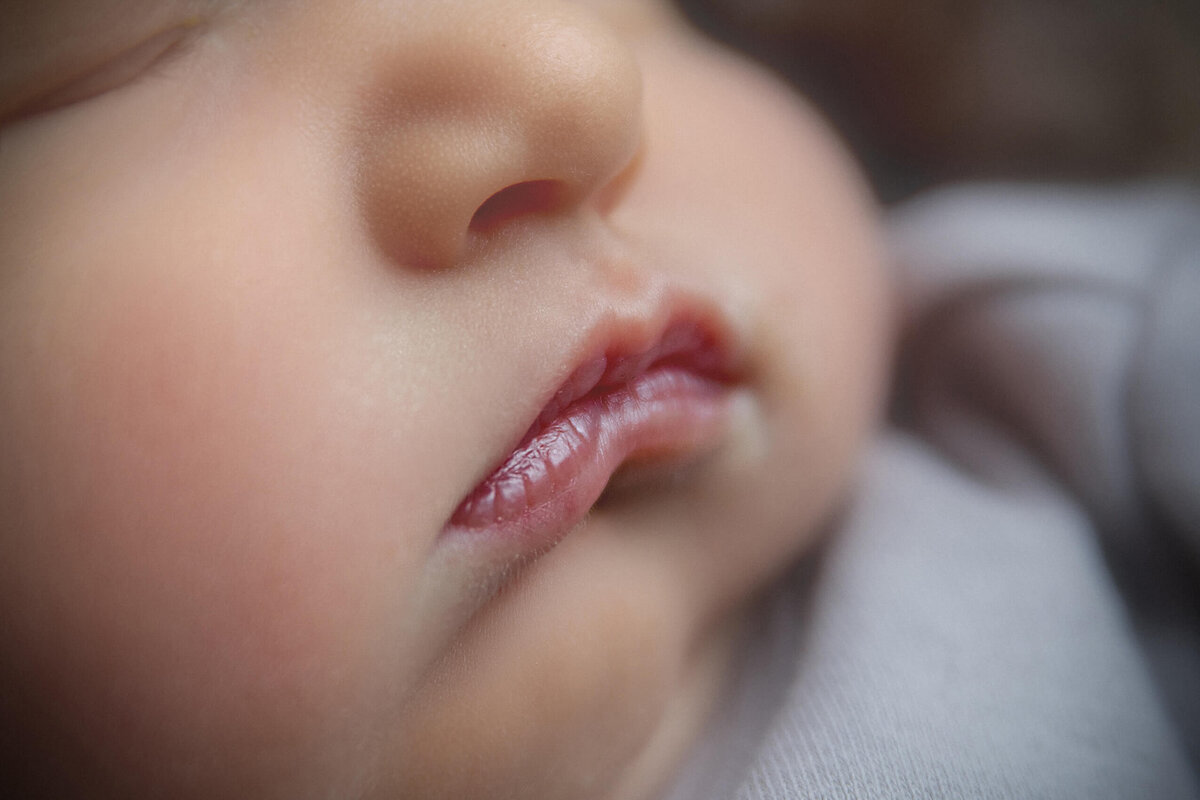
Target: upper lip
x=616 y=353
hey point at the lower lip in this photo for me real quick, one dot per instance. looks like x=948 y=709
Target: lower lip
x=549 y=483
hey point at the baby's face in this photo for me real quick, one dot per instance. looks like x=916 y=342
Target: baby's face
x=323 y=326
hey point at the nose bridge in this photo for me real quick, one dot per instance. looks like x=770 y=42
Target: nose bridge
x=497 y=97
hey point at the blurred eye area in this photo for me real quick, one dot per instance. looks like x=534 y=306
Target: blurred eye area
x=110 y=73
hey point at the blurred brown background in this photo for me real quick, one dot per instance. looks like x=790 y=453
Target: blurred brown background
x=928 y=91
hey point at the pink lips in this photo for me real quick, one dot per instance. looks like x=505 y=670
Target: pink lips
x=665 y=401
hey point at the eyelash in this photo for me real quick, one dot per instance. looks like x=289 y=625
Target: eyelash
x=147 y=57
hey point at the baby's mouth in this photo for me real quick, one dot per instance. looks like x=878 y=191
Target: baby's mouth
x=666 y=403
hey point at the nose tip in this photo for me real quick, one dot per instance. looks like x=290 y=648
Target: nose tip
x=501 y=115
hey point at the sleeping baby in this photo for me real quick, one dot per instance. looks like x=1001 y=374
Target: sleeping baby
x=405 y=399
x=442 y=399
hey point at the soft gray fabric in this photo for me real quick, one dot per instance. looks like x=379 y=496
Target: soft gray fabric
x=959 y=645
x=1009 y=607
x=1066 y=323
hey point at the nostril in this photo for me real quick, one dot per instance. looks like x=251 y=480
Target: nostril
x=527 y=197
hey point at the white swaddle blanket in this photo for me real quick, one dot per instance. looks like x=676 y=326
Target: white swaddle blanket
x=1010 y=606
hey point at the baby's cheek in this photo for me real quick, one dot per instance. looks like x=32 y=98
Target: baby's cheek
x=188 y=573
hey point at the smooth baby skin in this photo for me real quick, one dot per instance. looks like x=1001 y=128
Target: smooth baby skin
x=280 y=288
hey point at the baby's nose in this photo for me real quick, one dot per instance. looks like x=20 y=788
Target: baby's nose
x=503 y=110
